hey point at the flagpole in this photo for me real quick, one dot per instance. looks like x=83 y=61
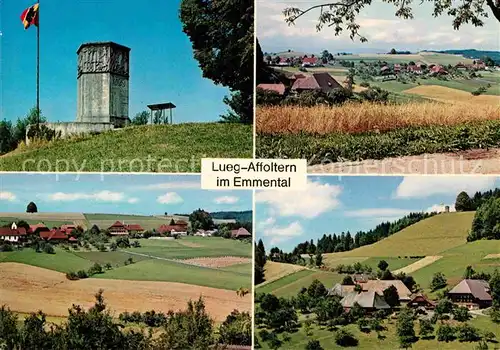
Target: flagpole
x=38 y=66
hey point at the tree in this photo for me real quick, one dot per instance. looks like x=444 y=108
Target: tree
x=469 y=273
x=319 y=259
x=486 y=222
x=405 y=328
x=8 y=328
x=461 y=314
x=200 y=219
x=7 y=140
x=463 y=202
x=222 y=36
x=393 y=51
x=446 y=333
x=31 y=208
x=342 y=14
x=426 y=328
x=466 y=332
x=382 y=265
x=495 y=288
x=313 y=345
x=141 y=118
x=260 y=261
x=236 y=329
x=438 y=281
x=345 y=338
x=391 y=296
x=347 y=281
x=316 y=289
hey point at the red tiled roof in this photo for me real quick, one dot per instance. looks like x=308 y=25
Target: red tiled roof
x=41 y=226
x=170 y=228
x=7 y=231
x=310 y=60
x=117 y=224
x=73 y=239
x=279 y=88
x=135 y=227
x=53 y=235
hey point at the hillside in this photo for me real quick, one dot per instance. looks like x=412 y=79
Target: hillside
x=241 y=216
x=149 y=148
x=427 y=237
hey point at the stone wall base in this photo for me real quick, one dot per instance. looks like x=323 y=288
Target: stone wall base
x=72 y=128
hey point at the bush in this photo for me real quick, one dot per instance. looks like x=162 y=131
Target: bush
x=48 y=248
x=6 y=247
x=95 y=269
x=42 y=132
x=374 y=94
x=313 y=345
x=135 y=244
x=345 y=338
x=82 y=274
x=467 y=333
x=438 y=281
x=72 y=276
x=267 y=98
x=480 y=90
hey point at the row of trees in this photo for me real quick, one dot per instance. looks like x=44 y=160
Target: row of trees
x=96 y=329
x=13 y=134
x=466 y=203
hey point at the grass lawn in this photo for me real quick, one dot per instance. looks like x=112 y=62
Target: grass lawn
x=274 y=270
x=158 y=148
x=455 y=260
x=369 y=341
x=239 y=268
x=114 y=258
x=61 y=261
x=160 y=270
x=290 y=285
x=49 y=223
x=198 y=247
x=395 y=263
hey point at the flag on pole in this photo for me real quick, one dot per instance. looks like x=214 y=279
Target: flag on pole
x=30 y=16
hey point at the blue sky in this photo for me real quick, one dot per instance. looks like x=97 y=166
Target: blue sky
x=352 y=203
x=162 y=67
x=120 y=194
x=378 y=24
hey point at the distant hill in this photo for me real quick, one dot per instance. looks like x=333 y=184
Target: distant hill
x=475 y=54
x=241 y=216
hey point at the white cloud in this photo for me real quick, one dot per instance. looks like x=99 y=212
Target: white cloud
x=103 y=196
x=7 y=196
x=426 y=186
x=170 y=198
x=191 y=184
x=133 y=200
x=377 y=212
x=268 y=222
x=281 y=234
x=226 y=200
x=315 y=200
x=439 y=208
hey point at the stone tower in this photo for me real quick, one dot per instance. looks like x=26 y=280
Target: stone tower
x=103 y=73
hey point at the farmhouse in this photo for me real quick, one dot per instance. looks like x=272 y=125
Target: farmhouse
x=370 y=301
x=240 y=233
x=174 y=230
x=54 y=235
x=416 y=69
x=420 y=300
x=118 y=229
x=67 y=228
x=380 y=285
x=438 y=70
x=473 y=294
x=341 y=290
x=316 y=82
x=13 y=234
x=40 y=227
x=278 y=88
x=309 y=61
x=134 y=228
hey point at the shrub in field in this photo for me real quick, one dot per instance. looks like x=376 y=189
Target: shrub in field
x=468 y=333
x=82 y=274
x=480 y=90
x=95 y=269
x=375 y=94
x=268 y=98
x=446 y=333
x=72 y=276
x=345 y=338
x=48 y=248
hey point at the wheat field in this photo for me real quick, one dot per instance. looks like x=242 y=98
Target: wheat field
x=368 y=117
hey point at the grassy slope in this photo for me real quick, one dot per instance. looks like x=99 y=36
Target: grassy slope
x=159 y=270
x=275 y=270
x=62 y=261
x=49 y=223
x=427 y=237
x=178 y=147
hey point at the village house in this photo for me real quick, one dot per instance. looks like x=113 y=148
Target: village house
x=478 y=65
x=380 y=285
x=54 y=236
x=397 y=68
x=437 y=70
x=278 y=88
x=174 y=230
x=370 y=301
x=415 y=69
x=310 y=61
x=473 y=294
x=40 y=227
x=421 y=301
x=67 y=229
x=461 y=66
x=240 y=233
x=203 y=233
x=118 y=229
x=284 y=62
x=134 y=228
x=341 y=290
x=316 y=82
x=13 y=234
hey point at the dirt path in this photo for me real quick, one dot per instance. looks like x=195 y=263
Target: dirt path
x=492 y=256
x=26 y=288
x=418 y=264
x=467 y=162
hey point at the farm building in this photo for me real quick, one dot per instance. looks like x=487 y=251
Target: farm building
x=341 y=290
x=173 y=229
x=134 y=228
x=438 y=70
x=420 y=300
x=13 y=234
x=67 y=228
x=278 y=88
x=370 y=301
x=316 y=82
x=40 y=227
x=240 y=233
x=416 y=69
x=54 y=235
x=473 y=294
x=118 y=229
x=380 y=285
x=310 y=61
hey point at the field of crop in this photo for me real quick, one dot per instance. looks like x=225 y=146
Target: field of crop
x=274 y=270
x=104 y=221
x=368 y=117
x=28 y=289
x=155 y=260
x=389 y=341
x=454 y=96
x=159 y=148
